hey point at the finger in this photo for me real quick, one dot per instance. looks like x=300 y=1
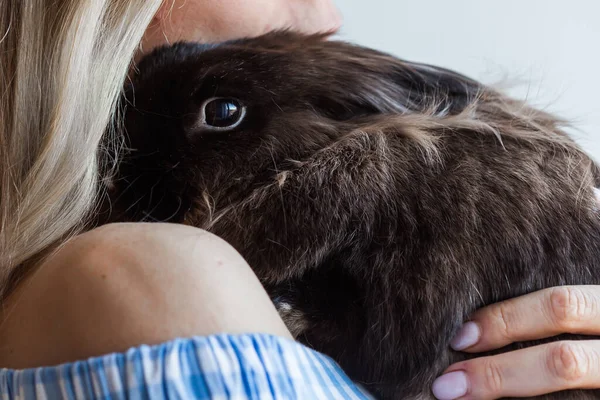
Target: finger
x=528 y=372
x=549 y=312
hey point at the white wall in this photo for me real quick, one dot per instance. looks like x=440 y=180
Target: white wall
x=551 y=47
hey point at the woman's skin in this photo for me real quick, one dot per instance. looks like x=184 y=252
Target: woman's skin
x=219 y=20
x=123 y=285
x=127 y=284
x=532 y=371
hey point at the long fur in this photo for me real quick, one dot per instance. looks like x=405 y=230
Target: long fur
x=379 y=201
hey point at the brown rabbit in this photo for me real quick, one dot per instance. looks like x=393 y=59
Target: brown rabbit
x=380 y=201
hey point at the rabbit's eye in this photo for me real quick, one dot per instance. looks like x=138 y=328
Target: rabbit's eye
x=222 y=113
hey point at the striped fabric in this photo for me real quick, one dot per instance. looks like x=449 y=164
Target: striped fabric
x=251 y=366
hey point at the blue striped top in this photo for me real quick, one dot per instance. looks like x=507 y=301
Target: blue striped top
x=249 y=366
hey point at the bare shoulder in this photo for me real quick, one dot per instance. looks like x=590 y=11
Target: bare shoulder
x=124 y=285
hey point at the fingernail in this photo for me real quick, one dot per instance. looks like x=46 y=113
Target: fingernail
x=451 y=386
x=466 y=337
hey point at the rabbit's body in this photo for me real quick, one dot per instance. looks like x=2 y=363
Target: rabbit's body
x=380 y=202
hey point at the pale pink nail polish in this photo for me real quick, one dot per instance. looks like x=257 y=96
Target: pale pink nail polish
x=466 y=337
x=451 y=386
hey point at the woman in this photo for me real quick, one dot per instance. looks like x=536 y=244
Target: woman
x=69 y=295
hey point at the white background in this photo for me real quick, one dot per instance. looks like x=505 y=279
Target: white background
x=550 y=48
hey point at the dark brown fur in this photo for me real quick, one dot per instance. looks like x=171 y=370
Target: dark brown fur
x=379 y=201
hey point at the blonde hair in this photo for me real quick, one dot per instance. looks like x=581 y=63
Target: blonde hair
x=62 y=66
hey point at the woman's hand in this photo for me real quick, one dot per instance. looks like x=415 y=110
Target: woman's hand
x=535 y=370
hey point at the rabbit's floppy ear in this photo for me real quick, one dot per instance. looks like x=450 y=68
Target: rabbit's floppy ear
x=383 y=83
x=423 y=87
x=400 y=86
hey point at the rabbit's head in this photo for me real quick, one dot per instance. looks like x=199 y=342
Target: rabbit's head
x=222 y=117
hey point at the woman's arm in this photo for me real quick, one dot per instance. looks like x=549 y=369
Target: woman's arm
x=124 y=285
